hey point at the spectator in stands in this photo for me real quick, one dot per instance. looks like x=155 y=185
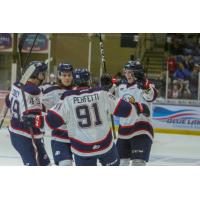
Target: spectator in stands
x=176 y=90
x=194 y=81
x=182 y=75
x=181 y=72
x=188 y=62
x=176 y=47
x=171 y=63
x=186 y=94
x=189 y=46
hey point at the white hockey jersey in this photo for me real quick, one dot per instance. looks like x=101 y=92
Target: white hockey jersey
x=86 y=113
x=143 y=125
x=17 y=107
x=51 y=96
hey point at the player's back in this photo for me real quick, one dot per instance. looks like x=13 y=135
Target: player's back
x=88 y=127
x=17 y=107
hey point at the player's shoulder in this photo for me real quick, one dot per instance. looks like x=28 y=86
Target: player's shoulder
x=81 y=91
x=92 y=90
x=51 y=89
x=29 y=88
x=68 y=93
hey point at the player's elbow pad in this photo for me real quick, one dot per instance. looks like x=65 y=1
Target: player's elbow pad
x=142 y=108
x=123 y=109
x=53 y=120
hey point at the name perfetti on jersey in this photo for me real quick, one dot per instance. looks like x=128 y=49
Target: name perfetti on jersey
x=86 y=98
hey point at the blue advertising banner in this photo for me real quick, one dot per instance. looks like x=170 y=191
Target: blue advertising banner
x=6 y=42
x=181 y=119
x=41 y=44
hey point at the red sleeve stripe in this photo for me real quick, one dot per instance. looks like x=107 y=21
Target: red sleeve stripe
x=116 y=108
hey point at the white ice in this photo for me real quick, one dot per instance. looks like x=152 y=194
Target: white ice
x=167 y=150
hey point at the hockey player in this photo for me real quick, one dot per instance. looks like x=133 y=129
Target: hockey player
x=19 y=134
x=60 y=143
x=135 y=137
x=51 y=82
x=86 y=112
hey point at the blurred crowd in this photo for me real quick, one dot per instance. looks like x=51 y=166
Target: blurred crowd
x=183 y=44
x=183 y=65
x=183 y=77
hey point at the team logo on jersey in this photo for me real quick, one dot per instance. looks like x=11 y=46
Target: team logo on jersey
x=129 y=98
x=96 y=147
x=132 y=100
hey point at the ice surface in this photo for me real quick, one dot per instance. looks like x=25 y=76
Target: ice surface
x=168 y=149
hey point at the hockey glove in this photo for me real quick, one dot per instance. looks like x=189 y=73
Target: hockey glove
x=144 y=85
x=33 y=121
x=142 y=82
x=142 y=108
x=106 y=81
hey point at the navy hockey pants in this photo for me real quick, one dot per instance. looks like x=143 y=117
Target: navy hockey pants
x=61 y=151
x=111 y=158
x=137 y=147
x=24 y=147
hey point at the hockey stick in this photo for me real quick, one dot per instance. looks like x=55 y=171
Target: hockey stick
x=20 y=46
x=3 y=115
x=103 y=62
x=24 y=97
x=26 y=61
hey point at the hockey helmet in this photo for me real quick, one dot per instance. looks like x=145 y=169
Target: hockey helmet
x=64 y=67
x=40 y=66
x=81 y=76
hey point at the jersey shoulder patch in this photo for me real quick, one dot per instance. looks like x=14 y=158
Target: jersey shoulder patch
x=29 y=88
x=51 y=88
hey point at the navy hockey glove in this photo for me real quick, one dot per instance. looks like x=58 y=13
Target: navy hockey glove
x=33 y=121
x=142 y=82
x=142 y=108
x=106 y=81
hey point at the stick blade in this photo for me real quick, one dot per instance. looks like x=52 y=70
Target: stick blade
x=27 y=74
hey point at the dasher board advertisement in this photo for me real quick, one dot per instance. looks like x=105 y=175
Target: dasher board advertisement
x=6 y=42
x=173 y=117
x=41 y=43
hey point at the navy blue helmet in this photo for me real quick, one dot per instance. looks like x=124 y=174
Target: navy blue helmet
x=81 y=76
x=65 y=67
x=133 y=65
x=40 y=66
x=137 y=69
